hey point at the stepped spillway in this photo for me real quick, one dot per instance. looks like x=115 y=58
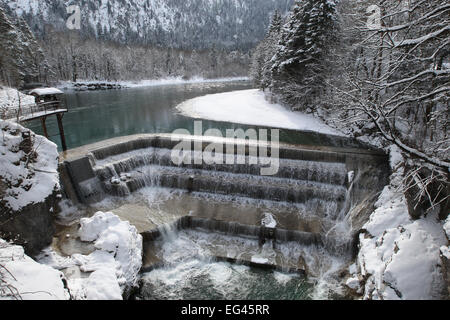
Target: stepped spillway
x=313 y=192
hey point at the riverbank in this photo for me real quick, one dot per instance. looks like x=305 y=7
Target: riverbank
x=250 y=107
x=124 y=84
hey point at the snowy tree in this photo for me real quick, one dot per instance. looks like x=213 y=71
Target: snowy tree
x=301 y=63
x=12 y=65
x=398 y=84
x=21 y=56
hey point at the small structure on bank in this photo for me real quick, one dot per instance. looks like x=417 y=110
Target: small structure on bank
x=49 y=102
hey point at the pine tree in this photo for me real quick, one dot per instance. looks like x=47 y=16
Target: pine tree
x=270 y=48
x=12 y=65
x=260 y=70
x=20 y=55
x=33 y=56
x=300 y=65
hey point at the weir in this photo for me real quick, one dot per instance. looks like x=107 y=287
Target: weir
x=322 y=187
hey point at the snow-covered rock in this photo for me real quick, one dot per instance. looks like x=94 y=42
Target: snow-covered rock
x=30 y=172
x=400 y=258
x=26 y=278
x=118 y=238
x=353 y=283
x=112 y=269
x=268 y=220
x=29 y=185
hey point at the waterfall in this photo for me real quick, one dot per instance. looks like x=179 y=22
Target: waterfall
x=312 y=195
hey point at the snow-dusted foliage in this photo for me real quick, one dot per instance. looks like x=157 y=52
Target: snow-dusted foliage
x=261 y=68
x=22 y=278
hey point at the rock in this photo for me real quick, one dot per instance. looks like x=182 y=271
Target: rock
x=445 y=257
x=29 y=184
x=31 y=227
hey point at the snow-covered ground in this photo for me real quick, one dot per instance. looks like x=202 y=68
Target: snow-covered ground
x=23 y=278
x=251 y=107
x=399 y=258
x=113 y=267
x=153 y=83
x=30 y=176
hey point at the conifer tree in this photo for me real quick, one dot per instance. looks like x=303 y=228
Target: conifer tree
x=302 y=60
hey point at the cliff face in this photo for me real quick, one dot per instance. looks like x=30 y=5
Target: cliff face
x=29 y=186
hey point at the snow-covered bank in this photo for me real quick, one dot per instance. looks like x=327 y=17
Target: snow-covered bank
x=112 y=268
x=23 y=278
x=251 y=107
x=399 y=258
x=151 y=83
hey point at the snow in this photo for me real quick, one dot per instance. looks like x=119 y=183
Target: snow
x=32 y=183
x=447 y=227
x=118 y=238
x=250 y=107
x=178 y=80
x=398 y=257
x=113 y=266
x=32 y=280
x=102 y=285
x=42 y=113
x=46 y=91
x=259 y=260
x=445 y=250
x=153 y=82
x=353 y=283
x=269 y=221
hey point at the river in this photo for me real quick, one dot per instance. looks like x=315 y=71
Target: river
x=99 y=115
x=189 y=272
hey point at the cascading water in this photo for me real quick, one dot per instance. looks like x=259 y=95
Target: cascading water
x=212 y=218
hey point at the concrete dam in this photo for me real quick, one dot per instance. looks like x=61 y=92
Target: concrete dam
x=314 y=206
